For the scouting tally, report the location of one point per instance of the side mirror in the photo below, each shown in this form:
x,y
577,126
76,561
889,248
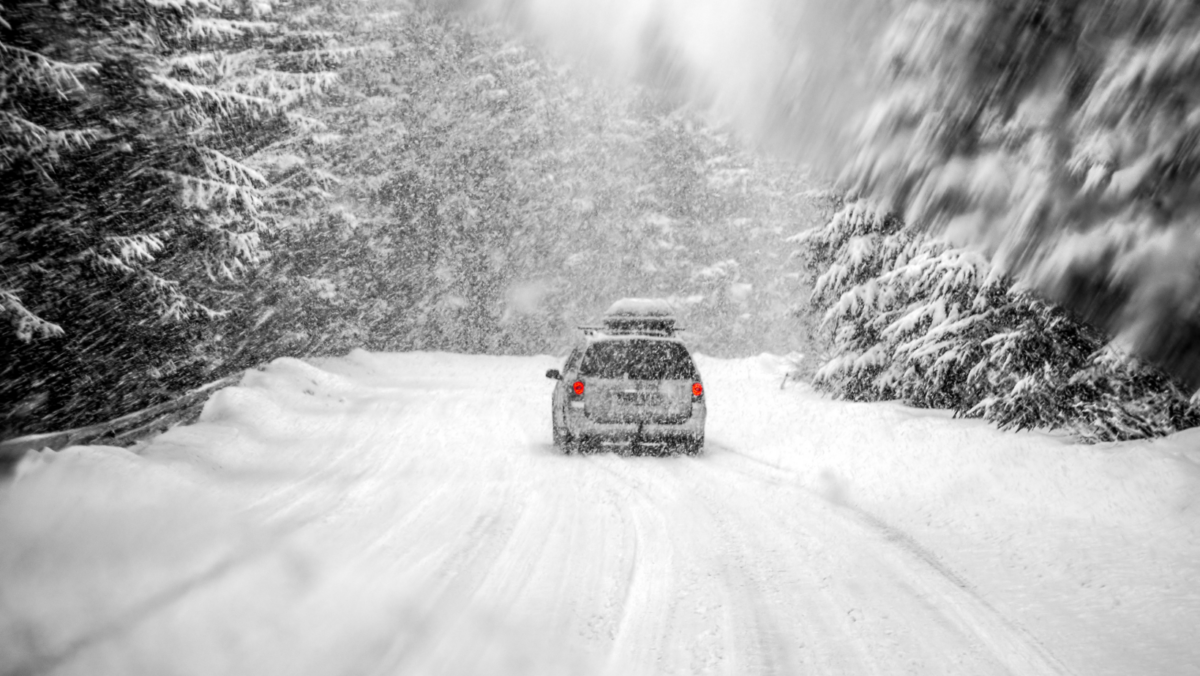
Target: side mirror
x,y
553,374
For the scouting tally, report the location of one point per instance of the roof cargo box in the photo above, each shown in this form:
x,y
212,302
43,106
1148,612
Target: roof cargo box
x,y
640,307
651,316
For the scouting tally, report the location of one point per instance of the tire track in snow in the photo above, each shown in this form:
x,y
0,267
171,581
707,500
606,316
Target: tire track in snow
x,y
726,558
637,589
453,575
1005,638
449,592
1003,635
779,639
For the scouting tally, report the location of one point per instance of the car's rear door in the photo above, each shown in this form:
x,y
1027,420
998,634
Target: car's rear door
x,y
638,380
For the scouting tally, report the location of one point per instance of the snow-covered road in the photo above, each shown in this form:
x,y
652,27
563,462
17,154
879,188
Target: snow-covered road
x,y
407,514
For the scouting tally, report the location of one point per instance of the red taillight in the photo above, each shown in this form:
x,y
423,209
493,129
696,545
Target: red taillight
x,y
577,388
697,390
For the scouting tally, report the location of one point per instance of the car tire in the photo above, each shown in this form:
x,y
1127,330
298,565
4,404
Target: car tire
x,y
694,445
562,439
582,445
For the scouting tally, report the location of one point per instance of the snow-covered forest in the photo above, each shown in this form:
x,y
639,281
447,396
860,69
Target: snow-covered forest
x,y
314,179
286,287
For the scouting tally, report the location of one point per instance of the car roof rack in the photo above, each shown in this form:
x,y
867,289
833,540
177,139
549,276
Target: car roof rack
x,y
635,326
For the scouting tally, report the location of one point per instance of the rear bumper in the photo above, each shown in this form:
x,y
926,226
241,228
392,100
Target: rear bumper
x,y
582,427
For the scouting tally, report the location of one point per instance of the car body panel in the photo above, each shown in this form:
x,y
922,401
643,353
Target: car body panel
x,y
638,401
637,389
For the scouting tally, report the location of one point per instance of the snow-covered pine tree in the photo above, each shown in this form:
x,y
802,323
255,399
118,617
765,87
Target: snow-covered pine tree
x,y
1060,137
126,194
916,319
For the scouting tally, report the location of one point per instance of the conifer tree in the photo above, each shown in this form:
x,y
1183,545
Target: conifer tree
x,y
128,193
1059,137
916,319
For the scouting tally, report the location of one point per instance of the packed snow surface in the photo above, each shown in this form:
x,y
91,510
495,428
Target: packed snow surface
x,y
407,514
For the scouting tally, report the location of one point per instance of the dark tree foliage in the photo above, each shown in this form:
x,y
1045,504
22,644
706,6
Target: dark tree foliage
x,y
1061,137
935,326
453,190
128,205
489,200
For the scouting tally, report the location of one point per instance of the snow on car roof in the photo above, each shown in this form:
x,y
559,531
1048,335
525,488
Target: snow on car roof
x,y
599,336
641,307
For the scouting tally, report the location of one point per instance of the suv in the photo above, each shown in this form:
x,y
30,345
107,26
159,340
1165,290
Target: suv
x,y
630,383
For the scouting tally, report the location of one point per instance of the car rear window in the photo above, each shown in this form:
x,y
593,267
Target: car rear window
x,y
638,360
